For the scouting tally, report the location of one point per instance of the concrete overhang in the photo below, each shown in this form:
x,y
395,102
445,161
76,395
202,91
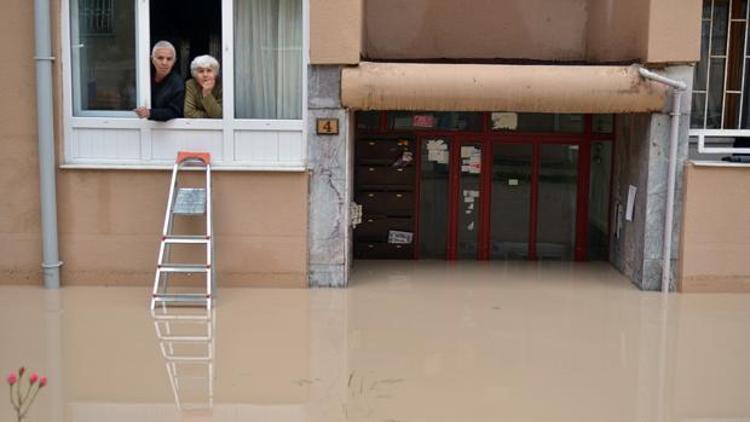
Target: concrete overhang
x,y
520,88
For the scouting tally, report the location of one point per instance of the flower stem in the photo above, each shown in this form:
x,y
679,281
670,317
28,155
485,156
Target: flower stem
x,y
25,396
33,396
15,406
18,393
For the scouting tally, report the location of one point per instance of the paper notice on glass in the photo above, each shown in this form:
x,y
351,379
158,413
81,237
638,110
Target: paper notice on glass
x,y
475,161
512,182
630,207
467,151
432,154
471,206
470,227
504,121
465,168
423,120
470,195
442,156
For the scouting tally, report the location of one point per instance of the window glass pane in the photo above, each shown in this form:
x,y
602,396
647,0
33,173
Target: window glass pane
x,y
570,123
536,122
736,47
603,123
437,121
368,120
103,55
548,122
720,20
739,8
698,111
745,123
401,120
601,163
556,215
511,196
433,197
732,111
716,93
706,9
268,59
702,66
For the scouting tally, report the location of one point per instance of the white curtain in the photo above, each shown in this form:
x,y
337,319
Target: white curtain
x,y
268,59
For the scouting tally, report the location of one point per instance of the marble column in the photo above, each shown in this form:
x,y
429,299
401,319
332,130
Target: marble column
x,y
641,160
328,163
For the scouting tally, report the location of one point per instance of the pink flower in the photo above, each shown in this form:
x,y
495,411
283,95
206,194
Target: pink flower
x,y
33,378
12,378
42,382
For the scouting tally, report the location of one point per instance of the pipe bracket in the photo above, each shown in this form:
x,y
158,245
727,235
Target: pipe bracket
x,y
51,266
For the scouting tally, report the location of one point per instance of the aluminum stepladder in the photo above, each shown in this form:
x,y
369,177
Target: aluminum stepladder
x,y
189,202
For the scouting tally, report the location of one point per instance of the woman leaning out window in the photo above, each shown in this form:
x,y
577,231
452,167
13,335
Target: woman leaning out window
x,y
203,90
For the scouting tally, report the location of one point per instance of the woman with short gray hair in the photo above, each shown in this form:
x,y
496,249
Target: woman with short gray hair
x,y
203,91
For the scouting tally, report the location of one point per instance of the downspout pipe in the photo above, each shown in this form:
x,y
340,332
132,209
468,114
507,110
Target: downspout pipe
x,y
47,189
678,88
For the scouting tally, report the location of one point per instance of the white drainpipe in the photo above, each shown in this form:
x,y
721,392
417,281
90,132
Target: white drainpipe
x,y
678,88
48,198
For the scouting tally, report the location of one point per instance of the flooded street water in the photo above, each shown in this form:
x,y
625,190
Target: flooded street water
x,y
406,342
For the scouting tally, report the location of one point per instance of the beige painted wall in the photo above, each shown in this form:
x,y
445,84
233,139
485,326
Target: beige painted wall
x,y
674,31
617,30
715,230
20,244
425,29
109,221
336,31
655,31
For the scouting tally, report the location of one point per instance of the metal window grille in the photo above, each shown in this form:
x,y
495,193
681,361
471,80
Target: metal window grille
x,y
96,17
720,100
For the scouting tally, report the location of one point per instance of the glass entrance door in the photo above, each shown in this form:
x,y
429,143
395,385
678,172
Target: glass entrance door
x,y
557,203
434,197
510,208
506,199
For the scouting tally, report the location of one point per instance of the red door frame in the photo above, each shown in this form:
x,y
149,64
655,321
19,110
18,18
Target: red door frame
x,y
455,196
487,138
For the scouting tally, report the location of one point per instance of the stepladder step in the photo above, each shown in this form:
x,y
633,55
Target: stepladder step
x,y
190,201
183,268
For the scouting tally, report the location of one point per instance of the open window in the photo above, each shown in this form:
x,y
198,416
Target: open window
x,y
259,44
192,26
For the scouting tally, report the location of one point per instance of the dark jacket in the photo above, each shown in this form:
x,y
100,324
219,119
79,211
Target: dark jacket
x,y
167,98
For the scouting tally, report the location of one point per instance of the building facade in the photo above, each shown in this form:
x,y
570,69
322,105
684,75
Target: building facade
x,y
514,131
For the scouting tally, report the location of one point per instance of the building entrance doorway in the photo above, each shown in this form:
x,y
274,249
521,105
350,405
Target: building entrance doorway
x,y
482,193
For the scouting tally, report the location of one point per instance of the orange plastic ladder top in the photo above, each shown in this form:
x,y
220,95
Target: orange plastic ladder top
x,y
188,155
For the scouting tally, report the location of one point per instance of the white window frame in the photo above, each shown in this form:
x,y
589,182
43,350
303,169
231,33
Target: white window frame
x,y
289,155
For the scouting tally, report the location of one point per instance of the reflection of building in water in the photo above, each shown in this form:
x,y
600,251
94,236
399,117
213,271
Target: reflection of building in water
x,y
187,342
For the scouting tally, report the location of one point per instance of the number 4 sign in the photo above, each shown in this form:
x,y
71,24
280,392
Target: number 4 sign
x,y
328,126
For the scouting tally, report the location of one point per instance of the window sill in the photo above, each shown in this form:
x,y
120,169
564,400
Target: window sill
x,y
168,167
703,163
195,124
